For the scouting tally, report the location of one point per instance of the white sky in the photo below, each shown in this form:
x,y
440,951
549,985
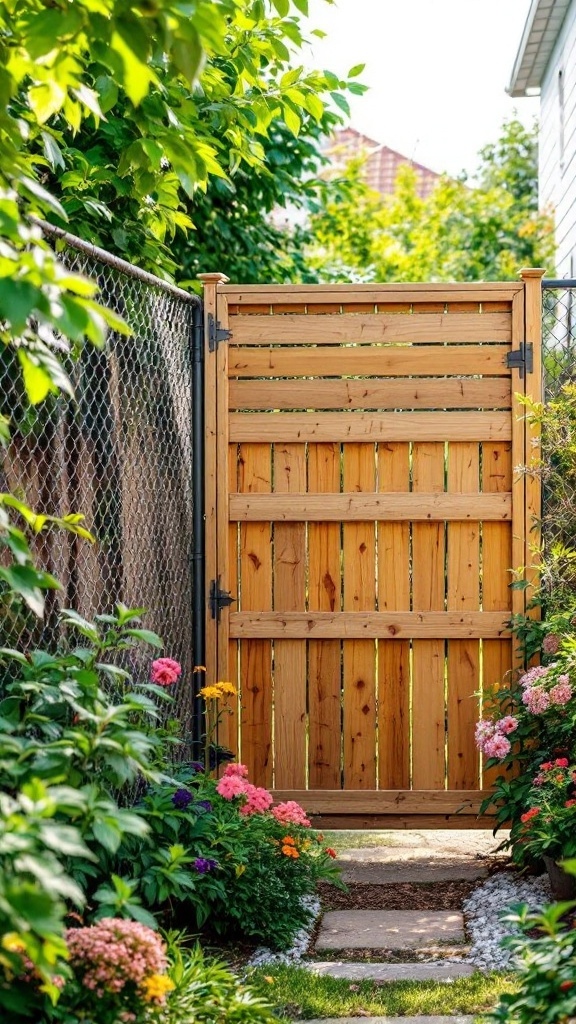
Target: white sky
x,y
437,71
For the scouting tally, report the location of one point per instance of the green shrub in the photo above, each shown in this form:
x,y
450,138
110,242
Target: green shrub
x,y
546,966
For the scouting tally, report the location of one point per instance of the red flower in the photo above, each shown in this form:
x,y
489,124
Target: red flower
x,y
529,814
570,803
330,851
565,985
561,762
546,766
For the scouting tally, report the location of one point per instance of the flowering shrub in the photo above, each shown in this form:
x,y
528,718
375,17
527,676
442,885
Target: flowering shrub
x,y
219,848
533,722
548,826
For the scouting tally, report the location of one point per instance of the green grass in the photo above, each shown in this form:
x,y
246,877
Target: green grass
x,y
354,839
296,993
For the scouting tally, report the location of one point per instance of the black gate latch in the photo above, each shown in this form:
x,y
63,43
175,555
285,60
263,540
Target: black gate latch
x,y
216,333
522,358
218,599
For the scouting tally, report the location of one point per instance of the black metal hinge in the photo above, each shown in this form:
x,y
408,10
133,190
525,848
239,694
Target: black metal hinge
x,y
216,333
522,358
218,599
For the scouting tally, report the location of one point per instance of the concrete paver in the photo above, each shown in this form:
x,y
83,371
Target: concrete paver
x,y
415,871
441,971
389,929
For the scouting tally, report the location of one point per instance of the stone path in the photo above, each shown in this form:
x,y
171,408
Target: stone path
x,y
413,857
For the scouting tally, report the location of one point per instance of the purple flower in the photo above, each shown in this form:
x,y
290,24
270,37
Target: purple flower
x,y
196,766
205,864
181,799
204,804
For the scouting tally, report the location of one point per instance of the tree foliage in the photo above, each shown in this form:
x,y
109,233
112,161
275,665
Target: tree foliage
x,y
461,232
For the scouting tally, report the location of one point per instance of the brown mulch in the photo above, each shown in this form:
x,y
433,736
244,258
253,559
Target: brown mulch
x,y
398,896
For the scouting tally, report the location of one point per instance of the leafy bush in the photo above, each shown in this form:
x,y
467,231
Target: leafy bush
x,y
533,721
219,848
546,969
206,991
548,827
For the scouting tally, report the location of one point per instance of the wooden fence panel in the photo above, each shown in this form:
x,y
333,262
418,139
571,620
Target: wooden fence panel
x,y
373,517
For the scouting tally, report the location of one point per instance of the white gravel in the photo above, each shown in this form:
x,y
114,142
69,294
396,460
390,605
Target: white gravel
x,y
483,910
299,947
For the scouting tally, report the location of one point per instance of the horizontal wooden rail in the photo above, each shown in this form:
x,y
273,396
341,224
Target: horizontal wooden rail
x,y
393,507
372,625
371,328
386,801
423,393
397,361
310,295
401,426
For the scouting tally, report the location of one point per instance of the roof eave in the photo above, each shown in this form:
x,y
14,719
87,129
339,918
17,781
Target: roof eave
x,y
541,31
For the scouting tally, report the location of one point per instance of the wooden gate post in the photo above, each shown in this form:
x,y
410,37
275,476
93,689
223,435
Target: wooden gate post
x,y
532,278
210,284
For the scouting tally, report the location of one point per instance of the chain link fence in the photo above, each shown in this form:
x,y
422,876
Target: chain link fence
x,y
558,462
121,453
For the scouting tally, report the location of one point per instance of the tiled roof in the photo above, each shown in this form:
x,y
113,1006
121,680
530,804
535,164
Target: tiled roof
x,y
382,163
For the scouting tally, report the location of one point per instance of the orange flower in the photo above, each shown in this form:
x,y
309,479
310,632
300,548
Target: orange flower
x,y
288,841
330,852
290,851
319,838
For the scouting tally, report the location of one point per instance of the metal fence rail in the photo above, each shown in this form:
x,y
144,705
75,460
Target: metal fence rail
x,y
121,453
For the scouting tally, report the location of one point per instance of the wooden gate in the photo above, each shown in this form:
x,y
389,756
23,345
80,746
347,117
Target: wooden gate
x,y
364,508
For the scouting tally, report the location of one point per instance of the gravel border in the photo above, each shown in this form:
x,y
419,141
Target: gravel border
x,y
483,910
264,956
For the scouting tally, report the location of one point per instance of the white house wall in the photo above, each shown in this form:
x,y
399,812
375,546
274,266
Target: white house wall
x,y
558,183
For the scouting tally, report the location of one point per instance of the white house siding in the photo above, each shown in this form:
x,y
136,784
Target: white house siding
x,y
558,180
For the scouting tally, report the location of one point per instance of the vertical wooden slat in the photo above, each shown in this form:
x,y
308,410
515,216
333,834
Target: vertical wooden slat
x,y
213,492
394,655
290,655
518,478
359,555
428,547
324,594
228,732
533,390
463,594
496,593
256,595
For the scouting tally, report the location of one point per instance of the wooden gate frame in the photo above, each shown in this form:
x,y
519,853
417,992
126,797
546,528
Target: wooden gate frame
x,y
365,808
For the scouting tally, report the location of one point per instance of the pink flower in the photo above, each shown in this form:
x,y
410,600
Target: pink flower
x,y
536,699
290,813
534,673
561,762
551,643
259,800
497,746
165,671
113,952
562,692
231,786
236,769
507,725
484,731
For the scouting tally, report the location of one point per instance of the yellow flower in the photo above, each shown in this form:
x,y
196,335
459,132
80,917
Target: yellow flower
x,y
12,943
156,986
210,693
199,668
227,688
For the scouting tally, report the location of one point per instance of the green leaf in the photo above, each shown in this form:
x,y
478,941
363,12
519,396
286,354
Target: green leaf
x,y
52,151
282,6
146,635
138,76
18,299
45,197
292,119
46,99
341,102
37,381
356,70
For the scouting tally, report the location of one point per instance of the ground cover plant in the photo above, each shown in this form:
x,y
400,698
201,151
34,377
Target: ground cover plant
x,y
295,993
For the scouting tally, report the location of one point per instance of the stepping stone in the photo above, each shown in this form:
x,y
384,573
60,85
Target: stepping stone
x,y
382,873
459,1019
389,929
440,971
